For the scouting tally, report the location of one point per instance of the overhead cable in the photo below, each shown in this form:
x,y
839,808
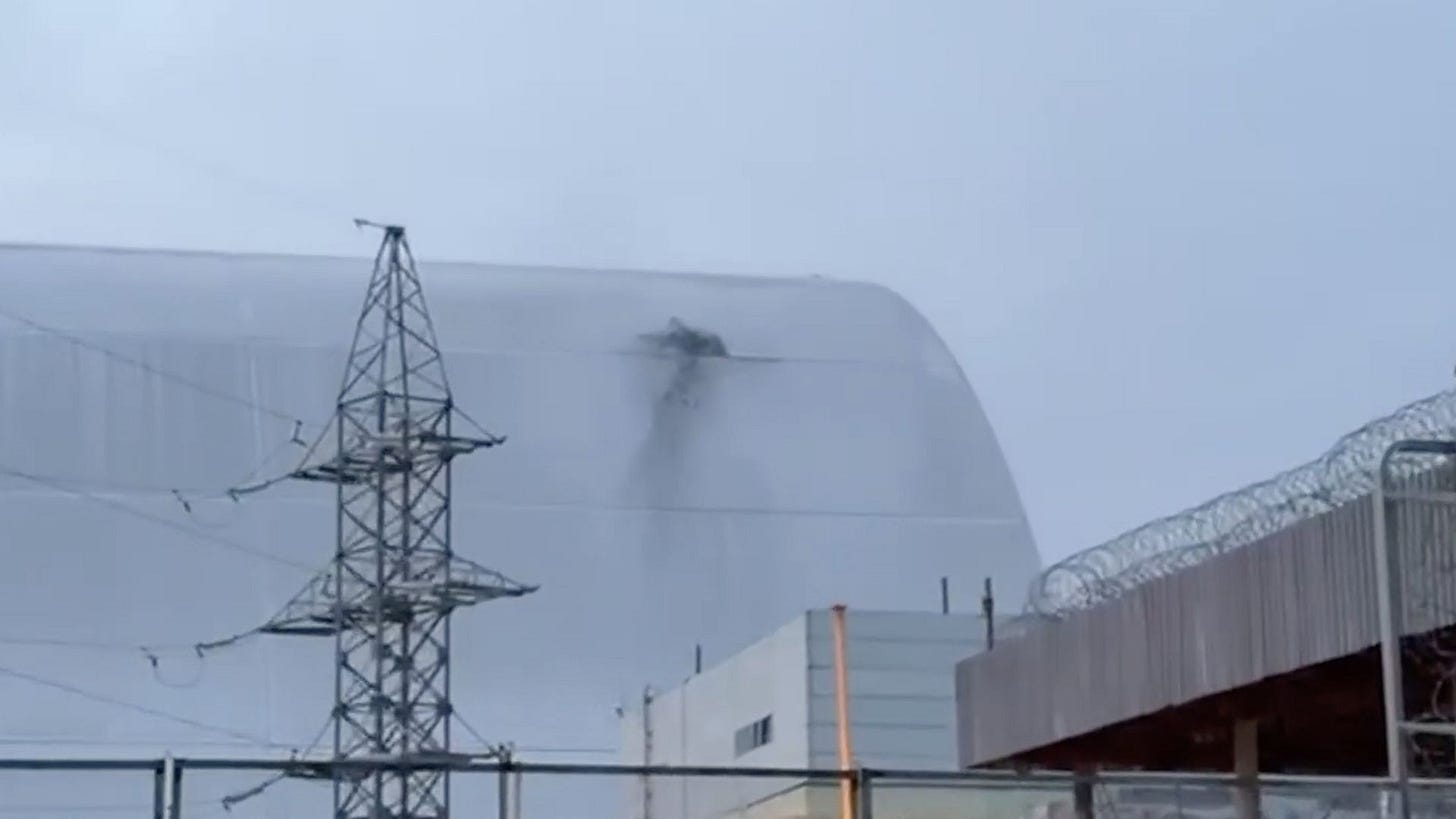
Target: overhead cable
x,y
490,437
137,742
70,810
474,734
211,167
245,486
105,699
242,796
197,386
214,539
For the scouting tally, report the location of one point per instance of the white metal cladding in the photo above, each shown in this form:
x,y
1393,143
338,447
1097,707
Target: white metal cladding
x,y
835,454
696,724
902,708
902,695
1301,596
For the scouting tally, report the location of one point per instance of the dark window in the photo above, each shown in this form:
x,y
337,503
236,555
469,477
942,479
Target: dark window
x,y
753,735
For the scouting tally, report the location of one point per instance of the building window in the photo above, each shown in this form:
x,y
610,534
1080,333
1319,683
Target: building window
x,y
755,734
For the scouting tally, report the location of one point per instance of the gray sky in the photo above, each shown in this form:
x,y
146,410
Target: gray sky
x,y
1177,246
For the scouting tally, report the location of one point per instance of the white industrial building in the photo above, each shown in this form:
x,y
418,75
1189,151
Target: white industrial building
x,y
826,448
772,705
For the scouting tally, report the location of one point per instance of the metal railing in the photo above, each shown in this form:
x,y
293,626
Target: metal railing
x,y
244,788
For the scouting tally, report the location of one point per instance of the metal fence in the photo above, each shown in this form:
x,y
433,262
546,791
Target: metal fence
x,y
269,788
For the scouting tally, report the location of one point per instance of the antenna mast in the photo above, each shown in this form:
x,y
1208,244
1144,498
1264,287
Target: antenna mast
x,y
395,580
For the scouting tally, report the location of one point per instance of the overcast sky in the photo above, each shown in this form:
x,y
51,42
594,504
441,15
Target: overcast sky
x,y
1177,246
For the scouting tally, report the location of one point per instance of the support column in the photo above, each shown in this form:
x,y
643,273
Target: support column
x,y
864,799
1246,769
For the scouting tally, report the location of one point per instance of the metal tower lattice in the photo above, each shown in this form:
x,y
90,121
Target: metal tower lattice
x,y
394,581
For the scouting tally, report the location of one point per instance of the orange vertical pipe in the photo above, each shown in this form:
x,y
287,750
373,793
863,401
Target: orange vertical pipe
x,y
841,707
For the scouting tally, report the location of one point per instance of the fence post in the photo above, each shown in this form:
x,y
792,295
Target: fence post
x,y
176,790
864,794
1246,769
1082,803
159,791
503,791
516,777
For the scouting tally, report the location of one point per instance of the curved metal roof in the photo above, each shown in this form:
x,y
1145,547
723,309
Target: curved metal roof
x,y
660,495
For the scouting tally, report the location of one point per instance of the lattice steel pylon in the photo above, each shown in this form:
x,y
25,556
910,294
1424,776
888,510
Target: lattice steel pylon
x,y
394,581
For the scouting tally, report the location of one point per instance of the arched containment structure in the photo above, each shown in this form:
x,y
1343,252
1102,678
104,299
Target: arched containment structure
x,y
691,459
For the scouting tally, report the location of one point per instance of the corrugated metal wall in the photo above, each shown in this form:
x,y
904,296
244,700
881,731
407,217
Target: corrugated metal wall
x,y
1298,597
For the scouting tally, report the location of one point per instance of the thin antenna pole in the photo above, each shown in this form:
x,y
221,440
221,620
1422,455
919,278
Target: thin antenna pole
x,y
698,658
647,751
945,595
988,611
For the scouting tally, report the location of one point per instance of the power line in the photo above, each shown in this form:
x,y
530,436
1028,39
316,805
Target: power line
x,y
88,645
131,706
489,436
194,493
252,482
470,729
214,539
489,746
153,742
152,653
247,484
137,742
207,166
205,389
495,747
233,799
132,808
549,749
707,510
185,497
